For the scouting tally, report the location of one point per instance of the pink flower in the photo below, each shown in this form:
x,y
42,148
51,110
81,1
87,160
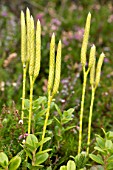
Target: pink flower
x,y
110,19
79,34
56,22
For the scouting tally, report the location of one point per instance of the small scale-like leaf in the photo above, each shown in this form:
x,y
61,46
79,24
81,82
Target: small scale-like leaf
x,y
14,163
97,159
40,158
71,165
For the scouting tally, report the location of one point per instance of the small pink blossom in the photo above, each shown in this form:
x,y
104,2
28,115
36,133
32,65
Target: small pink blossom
x,y
110,19
79,34
56,22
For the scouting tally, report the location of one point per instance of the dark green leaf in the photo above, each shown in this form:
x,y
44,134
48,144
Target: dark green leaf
x,y
40,158
28,153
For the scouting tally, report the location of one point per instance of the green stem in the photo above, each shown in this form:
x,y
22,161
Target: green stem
x,y
23,90
30,107
46,119
82,108
90,118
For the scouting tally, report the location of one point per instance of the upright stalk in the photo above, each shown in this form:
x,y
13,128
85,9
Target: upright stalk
x,y
30,108
82,108
23,90
90,118
46,119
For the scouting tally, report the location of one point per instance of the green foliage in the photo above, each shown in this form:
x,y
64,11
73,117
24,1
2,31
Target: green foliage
x,y
3,160
10,130
64,126
81,160
13,164
37,157
104,148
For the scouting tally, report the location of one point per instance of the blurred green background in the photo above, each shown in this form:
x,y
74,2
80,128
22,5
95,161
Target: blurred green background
x,y
66,18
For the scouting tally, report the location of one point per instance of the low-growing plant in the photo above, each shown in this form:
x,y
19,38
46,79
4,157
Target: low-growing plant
x,y
35,113
104,151
30,147
13,164
11,128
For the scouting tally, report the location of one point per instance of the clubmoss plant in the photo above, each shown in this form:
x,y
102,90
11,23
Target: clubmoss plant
x,y
34,62
94,81
25,51
51,78
30,56
85,74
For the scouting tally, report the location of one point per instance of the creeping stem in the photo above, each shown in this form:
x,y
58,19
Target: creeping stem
x,y
90,117
85,73
30,108
46,119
